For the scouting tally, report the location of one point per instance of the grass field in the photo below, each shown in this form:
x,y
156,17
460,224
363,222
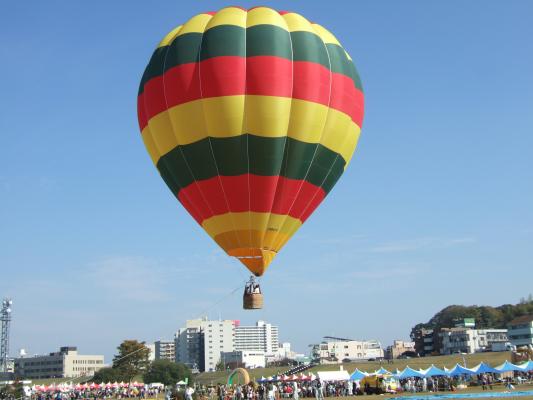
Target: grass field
x,y
424,362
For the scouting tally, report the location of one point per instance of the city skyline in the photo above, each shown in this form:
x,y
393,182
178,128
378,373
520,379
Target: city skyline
x,y
434,209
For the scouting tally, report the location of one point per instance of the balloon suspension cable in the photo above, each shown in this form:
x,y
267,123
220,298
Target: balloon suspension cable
x,y
229,294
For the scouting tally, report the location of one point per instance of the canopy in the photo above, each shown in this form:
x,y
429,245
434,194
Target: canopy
x,y
304,377
381,371
410,373
460,370
434,371
509,367
331,376
357,375
262,379
483,368
527,366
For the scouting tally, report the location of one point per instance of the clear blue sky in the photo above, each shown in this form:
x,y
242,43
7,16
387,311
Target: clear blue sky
x,y
435,209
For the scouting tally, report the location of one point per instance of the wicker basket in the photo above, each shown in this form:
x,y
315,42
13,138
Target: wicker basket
x,y
252,301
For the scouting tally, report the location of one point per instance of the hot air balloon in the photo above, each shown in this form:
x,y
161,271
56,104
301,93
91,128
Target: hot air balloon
x,y
251,117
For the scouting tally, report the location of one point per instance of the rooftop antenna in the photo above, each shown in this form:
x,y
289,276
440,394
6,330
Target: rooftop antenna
x,y
5,319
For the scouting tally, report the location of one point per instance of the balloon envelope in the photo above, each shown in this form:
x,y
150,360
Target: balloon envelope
x,y
251,117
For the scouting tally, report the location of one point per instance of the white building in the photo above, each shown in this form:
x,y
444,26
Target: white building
x,y
66,363
284,352
466,340
200,343
261,337
338,350
521,331
165,350
151,354
245,358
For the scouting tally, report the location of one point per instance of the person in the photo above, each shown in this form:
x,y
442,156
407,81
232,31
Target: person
x,y
188,393
295,391
270,391
256,288
238,393
319,390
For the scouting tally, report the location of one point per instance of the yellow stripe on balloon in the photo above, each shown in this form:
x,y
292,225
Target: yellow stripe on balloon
x,y
169,37
325,35
265,16
340,132
150,145
162,133
251,239
296,22
228,16
307,120
196,24
266,116
245,221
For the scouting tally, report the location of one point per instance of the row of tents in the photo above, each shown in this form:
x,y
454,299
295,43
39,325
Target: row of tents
x,y
64,387
457,370
408,372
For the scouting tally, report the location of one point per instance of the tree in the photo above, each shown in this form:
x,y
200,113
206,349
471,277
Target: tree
x,y
107,375
167,372
221,365
132,359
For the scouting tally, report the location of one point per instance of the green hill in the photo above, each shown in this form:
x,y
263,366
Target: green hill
x,y
485,316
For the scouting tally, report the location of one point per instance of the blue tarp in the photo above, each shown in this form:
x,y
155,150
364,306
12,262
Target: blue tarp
x,y
509,367
434,371
483,368
460,370
409,373
357,375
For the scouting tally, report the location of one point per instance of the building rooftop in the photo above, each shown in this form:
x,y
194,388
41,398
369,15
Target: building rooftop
x,y
524,319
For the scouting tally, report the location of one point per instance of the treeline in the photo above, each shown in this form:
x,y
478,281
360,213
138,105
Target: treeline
x,y
132,360
485,316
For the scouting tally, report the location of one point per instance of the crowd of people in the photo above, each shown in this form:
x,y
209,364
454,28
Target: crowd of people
x,y
279,390
319,390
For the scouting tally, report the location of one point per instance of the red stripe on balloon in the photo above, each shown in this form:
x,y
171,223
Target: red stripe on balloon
x,y
258,75
297,198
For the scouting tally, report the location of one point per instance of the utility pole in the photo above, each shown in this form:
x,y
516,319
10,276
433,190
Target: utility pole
x,y
5,319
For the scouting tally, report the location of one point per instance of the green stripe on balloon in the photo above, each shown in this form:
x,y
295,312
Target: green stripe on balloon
x,y
259,40
315,163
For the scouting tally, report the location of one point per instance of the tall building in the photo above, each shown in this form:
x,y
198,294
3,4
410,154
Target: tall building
x,y
521,331
200,343
66,363
263,337
165,350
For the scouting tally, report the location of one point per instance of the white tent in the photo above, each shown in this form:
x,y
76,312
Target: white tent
x,y
331,376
